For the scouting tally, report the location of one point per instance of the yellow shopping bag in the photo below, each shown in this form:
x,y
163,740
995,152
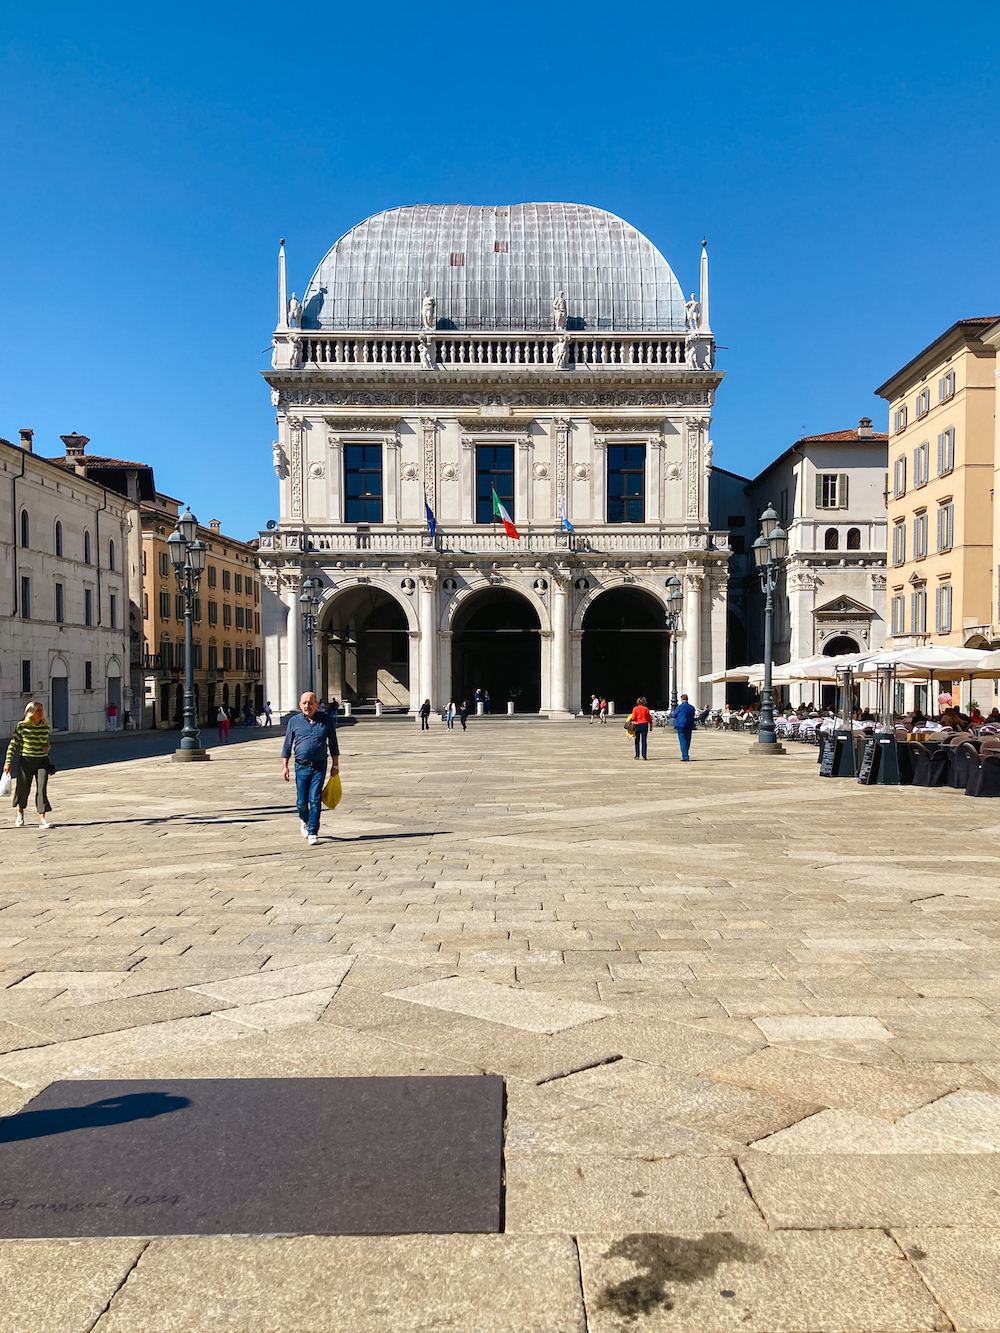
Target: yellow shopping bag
x,y
332,792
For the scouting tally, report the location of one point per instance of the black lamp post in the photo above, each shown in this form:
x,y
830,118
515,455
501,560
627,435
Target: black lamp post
x,y
187,555
675,596
309,601
769,552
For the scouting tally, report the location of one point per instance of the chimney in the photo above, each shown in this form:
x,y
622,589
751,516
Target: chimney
x,y
865,431
75,445
215,524
26,436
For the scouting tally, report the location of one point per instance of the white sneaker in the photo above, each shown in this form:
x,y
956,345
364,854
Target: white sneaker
x,y
304,827
19,821
43,824
313,840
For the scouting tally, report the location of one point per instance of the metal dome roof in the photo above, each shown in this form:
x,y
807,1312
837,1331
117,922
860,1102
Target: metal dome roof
x,y
494,268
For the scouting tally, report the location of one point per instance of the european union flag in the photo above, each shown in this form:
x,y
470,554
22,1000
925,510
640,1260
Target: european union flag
x,y
431,520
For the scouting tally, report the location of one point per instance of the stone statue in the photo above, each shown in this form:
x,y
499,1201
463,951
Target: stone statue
x,y
559,312
427,349
699,353
294,312
693,309
279,459
294,354
708,458
428,312
560,353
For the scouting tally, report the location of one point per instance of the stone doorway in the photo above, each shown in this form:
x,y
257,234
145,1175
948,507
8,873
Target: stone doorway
x,y
497,647
625,650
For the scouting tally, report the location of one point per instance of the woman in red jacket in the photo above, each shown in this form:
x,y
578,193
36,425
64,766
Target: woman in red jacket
x,y
641,719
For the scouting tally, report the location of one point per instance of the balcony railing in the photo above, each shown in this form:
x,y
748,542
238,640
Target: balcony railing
x,y
605,540
450,350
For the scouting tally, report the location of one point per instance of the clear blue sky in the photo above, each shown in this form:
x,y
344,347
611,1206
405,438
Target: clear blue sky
x,y
841,159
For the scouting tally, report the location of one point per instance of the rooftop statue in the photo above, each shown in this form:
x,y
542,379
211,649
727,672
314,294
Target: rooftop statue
x,y
560,353
693,310
427,349
428,312
294,312
559,312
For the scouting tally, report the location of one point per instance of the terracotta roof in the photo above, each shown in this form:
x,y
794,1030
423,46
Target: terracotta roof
x,y
841,437
94,460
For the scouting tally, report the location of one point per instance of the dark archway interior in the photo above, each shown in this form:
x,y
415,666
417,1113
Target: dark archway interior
x,y
840,644
497,646
626,650
366,649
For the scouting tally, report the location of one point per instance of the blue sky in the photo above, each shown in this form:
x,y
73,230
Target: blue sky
x,y
842,161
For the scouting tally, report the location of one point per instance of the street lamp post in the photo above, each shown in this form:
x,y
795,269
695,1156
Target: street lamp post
x,y
309,601
187,555
769,552
675,597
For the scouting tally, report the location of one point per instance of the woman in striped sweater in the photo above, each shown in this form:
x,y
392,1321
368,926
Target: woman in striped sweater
x,y
30,743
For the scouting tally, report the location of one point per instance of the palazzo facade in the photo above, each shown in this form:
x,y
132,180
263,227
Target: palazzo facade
x,y
448,360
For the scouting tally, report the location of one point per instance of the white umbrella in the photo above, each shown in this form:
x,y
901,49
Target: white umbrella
x,y
734,674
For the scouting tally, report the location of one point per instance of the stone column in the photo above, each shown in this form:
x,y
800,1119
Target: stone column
x,y
293,676
444,666
576,669
428,640
692,635
558,703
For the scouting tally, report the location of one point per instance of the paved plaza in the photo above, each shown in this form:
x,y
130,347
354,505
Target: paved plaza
x,y
749,1022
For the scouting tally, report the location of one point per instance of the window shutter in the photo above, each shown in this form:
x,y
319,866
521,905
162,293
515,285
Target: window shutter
x,y
819,490
937,609
940,455
842,491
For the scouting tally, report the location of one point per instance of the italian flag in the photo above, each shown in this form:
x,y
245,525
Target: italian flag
x,y
501,513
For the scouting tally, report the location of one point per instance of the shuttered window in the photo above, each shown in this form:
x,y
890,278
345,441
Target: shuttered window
x,y
946,527
899,478
831,490
942,609
946,451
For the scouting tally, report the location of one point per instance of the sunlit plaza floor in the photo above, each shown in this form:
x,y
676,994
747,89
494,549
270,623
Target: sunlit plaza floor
x,y
799,979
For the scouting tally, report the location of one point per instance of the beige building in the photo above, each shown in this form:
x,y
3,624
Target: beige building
x,y
940,491
227,632
991,337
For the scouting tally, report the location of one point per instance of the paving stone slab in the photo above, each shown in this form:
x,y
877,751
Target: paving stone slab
x,y
961,1265
837,1191
530,1010
833,1083
184,1157
275,984
61,1286
848,1132
792,1029
787,1282
402,1284
967,1115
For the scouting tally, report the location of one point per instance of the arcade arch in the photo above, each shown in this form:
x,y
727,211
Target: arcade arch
x,y
363,648
625,649
496,646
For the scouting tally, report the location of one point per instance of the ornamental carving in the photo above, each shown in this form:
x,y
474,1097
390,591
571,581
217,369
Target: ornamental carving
x,y
540,471
449,472
428,429
581,472
348,424
409,471
295,463
417,399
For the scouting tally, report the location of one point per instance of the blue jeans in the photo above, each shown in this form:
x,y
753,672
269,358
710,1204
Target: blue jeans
x,y
641,730
684,736
309,791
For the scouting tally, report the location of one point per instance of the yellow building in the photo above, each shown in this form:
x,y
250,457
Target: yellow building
x,y
227,634
991,337
940,491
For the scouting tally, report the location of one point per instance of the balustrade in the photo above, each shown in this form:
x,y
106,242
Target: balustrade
x,y
502,350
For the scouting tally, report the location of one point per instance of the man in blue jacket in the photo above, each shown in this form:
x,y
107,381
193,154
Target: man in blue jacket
x,y
310,734
684,725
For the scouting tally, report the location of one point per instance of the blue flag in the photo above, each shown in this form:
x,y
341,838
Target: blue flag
x,y
562,514
431,520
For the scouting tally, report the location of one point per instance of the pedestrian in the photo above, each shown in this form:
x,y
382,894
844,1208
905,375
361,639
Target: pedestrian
x,y
267,713
449,715
310,734
478,696
249,718
640,717
463,713
684,725
30,743
595,708
486,701
113,716
425,713
222,717
604,711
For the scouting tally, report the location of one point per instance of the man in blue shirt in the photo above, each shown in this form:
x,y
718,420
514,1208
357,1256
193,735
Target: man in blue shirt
x,y
310,735
684,725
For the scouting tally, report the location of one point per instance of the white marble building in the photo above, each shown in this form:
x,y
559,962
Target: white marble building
x,y
829,491
69,567
544,351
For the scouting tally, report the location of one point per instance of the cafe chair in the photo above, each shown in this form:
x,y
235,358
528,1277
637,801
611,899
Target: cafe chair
x,y
963,761
985,780
930,767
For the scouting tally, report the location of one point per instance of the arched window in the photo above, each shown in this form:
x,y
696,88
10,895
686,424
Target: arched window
x,y
832,542
111,555
25,529
58,538
86,548
854,539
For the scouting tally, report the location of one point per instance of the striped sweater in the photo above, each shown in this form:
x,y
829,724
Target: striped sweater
x,y
29,740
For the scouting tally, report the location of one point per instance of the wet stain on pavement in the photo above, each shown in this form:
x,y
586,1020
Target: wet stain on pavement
x,y
667,1261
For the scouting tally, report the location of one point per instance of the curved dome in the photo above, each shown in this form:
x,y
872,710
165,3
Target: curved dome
x,y
494,268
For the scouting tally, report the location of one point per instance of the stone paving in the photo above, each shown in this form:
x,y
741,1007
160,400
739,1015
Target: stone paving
x,y
749,1021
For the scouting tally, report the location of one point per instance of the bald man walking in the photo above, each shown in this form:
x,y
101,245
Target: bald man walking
x,y
310,734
